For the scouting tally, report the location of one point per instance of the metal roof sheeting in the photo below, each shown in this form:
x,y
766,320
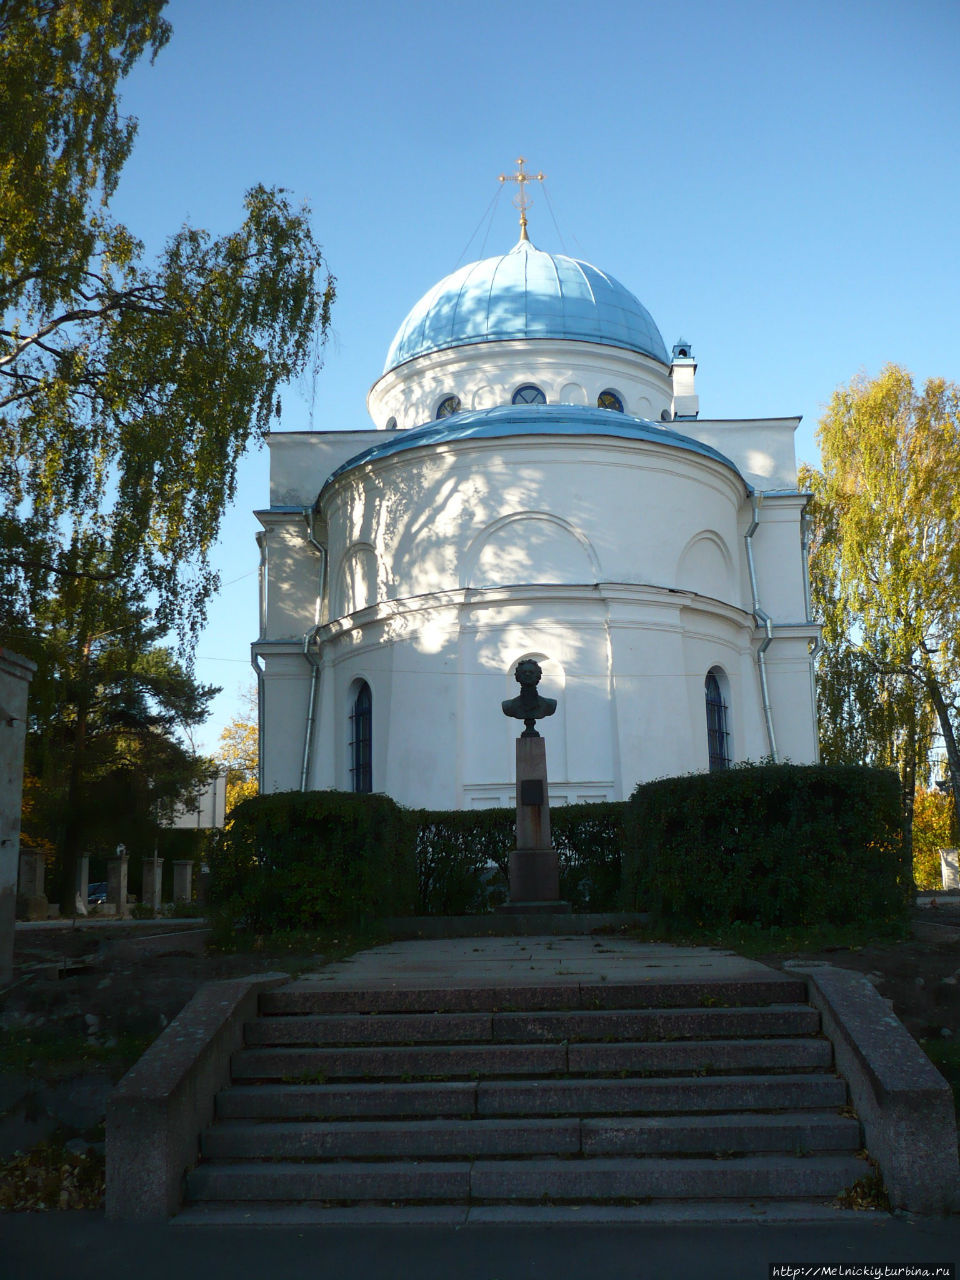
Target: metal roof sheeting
x,y
526,293
531,420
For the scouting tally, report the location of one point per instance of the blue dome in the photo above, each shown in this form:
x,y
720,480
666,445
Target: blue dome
x,y
526,293
531,420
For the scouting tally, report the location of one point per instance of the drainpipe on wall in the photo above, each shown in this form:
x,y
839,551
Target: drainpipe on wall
x,y
817,644
262,582
314,659
763,621
310,649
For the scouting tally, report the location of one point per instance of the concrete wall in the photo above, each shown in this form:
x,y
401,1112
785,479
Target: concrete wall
x,y
16,673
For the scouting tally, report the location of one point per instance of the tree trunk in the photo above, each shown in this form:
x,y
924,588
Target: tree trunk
x,y
73,827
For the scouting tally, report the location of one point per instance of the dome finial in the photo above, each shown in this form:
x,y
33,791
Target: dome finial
x,y
521,199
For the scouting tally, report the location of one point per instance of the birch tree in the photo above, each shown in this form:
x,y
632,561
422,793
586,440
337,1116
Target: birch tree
x,y
886,571
129,388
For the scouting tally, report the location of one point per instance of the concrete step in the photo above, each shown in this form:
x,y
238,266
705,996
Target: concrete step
x,y
358,1028
317,996
793,1133
491,1100
811,1213
527,1180
790,1133
551,1026
663,1178
670,1095
313,1102
373,1139
319,1065
710,1056
399,1060
533,1098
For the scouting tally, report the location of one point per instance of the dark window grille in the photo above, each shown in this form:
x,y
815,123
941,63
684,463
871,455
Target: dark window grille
x,y
529,394
361,741
718,737
448,406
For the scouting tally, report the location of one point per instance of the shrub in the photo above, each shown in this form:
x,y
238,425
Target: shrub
x,y
933,829
771,845
301,860
589,841
457,851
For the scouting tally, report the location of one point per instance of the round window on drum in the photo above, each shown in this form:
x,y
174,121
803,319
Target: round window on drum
x,y
529,393
609,400
447,406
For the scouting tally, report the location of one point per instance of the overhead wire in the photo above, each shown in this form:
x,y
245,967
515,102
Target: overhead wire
x,y
473,234
546,196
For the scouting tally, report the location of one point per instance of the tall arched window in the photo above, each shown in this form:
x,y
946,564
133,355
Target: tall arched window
x,y
361,746
718,734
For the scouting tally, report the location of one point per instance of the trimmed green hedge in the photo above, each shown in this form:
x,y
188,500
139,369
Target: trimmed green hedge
x,y
770,845
299,860
296,860
589,840
463,857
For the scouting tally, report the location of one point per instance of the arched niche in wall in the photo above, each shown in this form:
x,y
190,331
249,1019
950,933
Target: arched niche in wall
x,y
573,393
706,566
484,397
356,579
529,547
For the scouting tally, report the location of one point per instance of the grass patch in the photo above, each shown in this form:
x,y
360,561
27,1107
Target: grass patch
x,y
752,940
37,1052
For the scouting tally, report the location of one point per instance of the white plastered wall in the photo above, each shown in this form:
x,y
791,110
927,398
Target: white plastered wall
x,y
649,537
484,375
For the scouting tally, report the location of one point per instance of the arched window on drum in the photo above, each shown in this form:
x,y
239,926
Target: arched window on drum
x,y
718,723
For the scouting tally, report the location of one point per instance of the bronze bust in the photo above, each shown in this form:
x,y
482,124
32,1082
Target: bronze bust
x,y
528,706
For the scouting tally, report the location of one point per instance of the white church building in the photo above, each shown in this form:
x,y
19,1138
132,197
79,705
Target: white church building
x,y
538,482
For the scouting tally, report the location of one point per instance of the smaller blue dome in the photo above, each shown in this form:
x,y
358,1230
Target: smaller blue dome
x,y
526,293
531,420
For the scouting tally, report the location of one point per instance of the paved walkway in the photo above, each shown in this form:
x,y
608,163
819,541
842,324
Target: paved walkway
x,y
83,1246
530,961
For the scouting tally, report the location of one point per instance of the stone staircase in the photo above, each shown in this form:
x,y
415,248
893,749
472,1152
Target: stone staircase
x,y
489,1102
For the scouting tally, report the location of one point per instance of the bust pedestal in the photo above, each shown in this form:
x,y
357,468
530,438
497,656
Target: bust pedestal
x,y
534,867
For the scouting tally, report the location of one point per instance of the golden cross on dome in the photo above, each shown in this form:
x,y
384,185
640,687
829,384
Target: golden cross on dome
x,y
521,199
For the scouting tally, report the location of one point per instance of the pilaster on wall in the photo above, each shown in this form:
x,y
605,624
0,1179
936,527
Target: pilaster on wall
x,y
286,681
778,555
291,571
792,693
16,672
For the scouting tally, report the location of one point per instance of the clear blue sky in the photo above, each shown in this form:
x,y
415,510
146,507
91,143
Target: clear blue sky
x,y
777,182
